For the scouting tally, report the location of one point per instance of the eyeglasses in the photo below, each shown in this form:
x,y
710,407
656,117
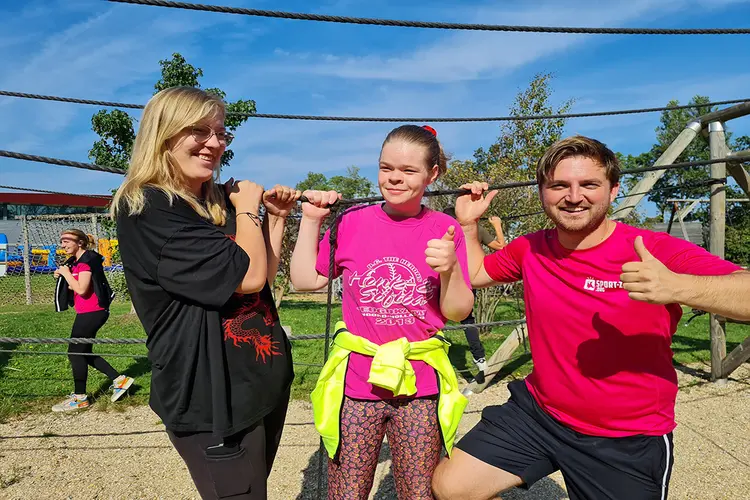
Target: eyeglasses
x,y
202,133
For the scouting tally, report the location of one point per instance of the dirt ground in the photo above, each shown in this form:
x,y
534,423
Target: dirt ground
x,y
114,455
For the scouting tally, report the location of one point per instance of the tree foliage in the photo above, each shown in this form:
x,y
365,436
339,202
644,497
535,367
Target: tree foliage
x,y
115,128
512,157
351,185
680,183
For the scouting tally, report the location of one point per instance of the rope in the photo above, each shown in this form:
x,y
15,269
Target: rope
x,y
111,355
276,116
438,25
76,340
130,341
57,161
510,185
372,199
64,353
34,190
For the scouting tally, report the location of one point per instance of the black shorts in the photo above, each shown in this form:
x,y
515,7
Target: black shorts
x,y
520,438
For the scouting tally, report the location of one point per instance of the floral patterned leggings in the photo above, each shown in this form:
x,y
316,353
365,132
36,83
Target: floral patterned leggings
x,y
414,438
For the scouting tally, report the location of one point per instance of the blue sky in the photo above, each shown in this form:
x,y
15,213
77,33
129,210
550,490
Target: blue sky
x,y
99,50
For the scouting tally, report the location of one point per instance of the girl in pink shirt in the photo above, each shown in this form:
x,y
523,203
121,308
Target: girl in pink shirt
x,y
84,277
404,273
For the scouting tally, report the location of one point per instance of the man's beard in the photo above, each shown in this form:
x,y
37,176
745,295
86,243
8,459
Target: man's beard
x,y
593,217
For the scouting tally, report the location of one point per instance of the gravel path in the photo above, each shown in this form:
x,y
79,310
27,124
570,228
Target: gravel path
x,y
126,455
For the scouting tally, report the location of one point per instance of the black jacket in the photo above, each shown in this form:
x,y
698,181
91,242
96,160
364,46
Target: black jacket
x,y
102,290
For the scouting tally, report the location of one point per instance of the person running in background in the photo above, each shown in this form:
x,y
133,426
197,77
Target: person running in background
x,y
81,282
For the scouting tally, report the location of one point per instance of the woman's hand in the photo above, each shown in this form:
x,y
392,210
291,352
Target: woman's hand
x,y
280,200
244,195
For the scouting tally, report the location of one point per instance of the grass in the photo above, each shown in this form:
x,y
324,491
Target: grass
x,y
13,289
31,383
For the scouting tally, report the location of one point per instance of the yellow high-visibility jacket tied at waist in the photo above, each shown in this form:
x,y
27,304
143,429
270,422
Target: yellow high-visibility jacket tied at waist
x,y
391,370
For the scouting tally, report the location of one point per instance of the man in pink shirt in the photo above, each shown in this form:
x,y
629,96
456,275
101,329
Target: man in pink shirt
x,y
602,303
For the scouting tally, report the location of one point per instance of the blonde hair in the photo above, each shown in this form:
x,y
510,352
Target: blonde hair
x,y
152,163
79,235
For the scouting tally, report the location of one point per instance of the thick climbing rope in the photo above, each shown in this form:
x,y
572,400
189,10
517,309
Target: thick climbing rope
x,y
438,25
111,104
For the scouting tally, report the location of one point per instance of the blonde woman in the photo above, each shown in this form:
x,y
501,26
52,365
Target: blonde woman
x,y
198,262
81,283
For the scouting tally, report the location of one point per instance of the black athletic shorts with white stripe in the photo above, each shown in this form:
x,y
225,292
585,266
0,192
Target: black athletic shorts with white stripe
x,y
520,438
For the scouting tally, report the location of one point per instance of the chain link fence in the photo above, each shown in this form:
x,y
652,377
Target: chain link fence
x,y
33,254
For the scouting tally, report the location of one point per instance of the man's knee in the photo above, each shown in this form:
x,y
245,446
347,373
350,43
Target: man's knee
x,y
443,486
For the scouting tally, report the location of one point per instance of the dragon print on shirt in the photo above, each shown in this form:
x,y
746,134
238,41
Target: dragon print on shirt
x,y
388,283
240,314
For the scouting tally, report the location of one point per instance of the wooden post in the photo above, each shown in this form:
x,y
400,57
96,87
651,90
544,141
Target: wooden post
x,y
26,259
647,182
498,360
718,146
738,171
739,355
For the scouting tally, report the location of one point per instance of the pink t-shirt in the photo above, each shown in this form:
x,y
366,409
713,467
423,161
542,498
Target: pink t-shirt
x,y
389,291
602,361
88,303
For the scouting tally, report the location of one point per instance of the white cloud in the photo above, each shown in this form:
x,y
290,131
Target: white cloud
x,y
465,56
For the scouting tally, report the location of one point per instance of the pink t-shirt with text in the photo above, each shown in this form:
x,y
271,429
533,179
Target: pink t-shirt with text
x,y
602,361
88,303
389,291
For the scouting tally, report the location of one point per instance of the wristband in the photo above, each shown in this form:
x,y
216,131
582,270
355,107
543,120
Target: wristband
x,y
254,217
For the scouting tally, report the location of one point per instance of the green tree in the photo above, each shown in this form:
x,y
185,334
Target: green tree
x,y
351,185
512,157
115,128
672,183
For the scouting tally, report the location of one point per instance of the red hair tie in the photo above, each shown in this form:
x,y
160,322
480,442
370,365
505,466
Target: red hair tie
x,y
430,130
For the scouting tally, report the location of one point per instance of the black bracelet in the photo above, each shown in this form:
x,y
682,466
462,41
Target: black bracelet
x,y
254,217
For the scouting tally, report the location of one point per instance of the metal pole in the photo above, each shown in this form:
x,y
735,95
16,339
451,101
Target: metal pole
x,y
718,146
26,259
668,157
95,232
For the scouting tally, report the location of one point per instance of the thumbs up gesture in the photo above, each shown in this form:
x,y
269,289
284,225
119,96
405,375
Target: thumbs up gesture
x,y
441,254
647,279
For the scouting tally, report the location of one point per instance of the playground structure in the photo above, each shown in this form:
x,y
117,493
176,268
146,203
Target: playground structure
x,y
46,258
31,254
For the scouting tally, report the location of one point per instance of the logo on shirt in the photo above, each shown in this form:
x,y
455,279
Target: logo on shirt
x,y
595,285
388,283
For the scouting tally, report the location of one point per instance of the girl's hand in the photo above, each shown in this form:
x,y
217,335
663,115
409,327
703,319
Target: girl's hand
x,y
280,200
441,254
318,203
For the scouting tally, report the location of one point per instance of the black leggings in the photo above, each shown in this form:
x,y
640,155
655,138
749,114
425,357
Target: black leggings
x,y
472,336
85,326
238,466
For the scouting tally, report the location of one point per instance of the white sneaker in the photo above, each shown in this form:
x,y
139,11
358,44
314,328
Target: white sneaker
x,y
72,403
120,386
481,364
